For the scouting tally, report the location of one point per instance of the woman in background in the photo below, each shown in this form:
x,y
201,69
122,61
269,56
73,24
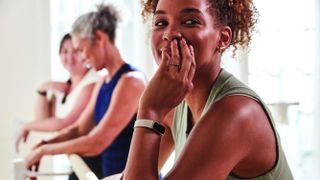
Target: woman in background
x,y
106,125
59,104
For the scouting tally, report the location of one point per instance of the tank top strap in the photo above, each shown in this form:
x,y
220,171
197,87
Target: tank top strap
x,y
123,69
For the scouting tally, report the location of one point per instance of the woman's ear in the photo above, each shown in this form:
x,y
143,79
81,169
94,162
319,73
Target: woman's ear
x,y
101,38
225,37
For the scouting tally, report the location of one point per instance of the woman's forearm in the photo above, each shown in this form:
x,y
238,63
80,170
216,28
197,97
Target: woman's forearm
x,y
44,107
145,150
48,124
82,145
65,134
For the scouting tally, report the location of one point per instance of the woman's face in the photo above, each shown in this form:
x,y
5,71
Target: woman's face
x,y
90,51
71,59
190,19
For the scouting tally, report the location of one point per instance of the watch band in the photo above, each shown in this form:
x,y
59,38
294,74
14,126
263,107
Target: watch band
x,y
154,125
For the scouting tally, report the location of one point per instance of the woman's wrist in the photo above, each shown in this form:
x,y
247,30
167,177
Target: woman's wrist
x,y
43,150
150,114
44,88
42,92
25,127
150,124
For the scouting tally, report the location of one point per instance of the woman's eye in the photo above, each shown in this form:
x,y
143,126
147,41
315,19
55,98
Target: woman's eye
x,y
160,23
190,22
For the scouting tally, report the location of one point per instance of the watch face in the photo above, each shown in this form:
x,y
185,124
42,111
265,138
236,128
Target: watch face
x,y
159,127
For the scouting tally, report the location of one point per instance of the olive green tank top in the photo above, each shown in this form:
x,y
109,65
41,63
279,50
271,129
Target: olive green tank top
x,y
226,85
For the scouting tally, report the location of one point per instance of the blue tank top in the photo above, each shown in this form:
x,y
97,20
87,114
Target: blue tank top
x,y
114,157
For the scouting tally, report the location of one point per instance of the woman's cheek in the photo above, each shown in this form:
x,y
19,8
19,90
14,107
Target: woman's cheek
x,y
157,57
155,50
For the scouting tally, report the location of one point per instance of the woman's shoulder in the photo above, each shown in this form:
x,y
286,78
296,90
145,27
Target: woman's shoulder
x,y
133,77
236,111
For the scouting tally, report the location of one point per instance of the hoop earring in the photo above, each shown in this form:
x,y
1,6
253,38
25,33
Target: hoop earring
x,y
219,49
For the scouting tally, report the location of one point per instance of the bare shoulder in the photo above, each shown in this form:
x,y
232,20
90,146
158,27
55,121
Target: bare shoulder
x,y
135,75
245,123
133,78
237,109
237,119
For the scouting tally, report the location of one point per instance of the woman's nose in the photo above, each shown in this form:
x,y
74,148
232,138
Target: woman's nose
x,y
171,34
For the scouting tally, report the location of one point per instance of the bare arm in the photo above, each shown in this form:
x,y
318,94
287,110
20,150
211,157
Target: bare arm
x,y
122,107
54,123
209,152
209,148
166,90
84,124
45,107
216,144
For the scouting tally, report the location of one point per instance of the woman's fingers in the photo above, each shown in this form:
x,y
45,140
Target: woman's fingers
x,y
164,59
22,136
175,55
181,63
25,136
187,58
192,68
32,161
18,143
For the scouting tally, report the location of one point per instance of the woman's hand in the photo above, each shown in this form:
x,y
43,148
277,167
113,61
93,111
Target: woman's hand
x,y
39,144
32,161
171,82
24,133
55,86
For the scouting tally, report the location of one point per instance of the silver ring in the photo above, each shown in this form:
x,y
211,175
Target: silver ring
x,y
175,65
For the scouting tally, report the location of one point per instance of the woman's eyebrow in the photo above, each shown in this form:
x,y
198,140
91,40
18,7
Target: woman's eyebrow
x,y
190,10
183,11
159,12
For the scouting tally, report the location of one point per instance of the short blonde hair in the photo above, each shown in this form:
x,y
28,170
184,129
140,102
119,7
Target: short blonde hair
x,y
105,19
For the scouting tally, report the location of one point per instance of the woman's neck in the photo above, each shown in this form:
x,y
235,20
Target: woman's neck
x,y
76,78
114,62
203,82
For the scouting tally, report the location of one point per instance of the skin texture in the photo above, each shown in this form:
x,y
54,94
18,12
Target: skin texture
x,y
45,119
233,136
83,137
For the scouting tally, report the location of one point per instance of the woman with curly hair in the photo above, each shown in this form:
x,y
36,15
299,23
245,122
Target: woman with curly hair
x,y
218,127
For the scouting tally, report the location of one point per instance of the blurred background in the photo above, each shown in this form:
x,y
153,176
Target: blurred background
x,y
282,66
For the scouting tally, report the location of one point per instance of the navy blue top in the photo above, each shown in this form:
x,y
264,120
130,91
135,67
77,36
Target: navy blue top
x,y
114,157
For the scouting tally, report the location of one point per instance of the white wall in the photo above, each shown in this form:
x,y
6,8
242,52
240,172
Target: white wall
x,y
25,63
317,90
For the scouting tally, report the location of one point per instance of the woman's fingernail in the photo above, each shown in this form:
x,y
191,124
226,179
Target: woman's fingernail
x,y
183,40
175,41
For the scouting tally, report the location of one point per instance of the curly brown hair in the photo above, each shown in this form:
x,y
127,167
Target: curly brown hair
x,y
240,15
